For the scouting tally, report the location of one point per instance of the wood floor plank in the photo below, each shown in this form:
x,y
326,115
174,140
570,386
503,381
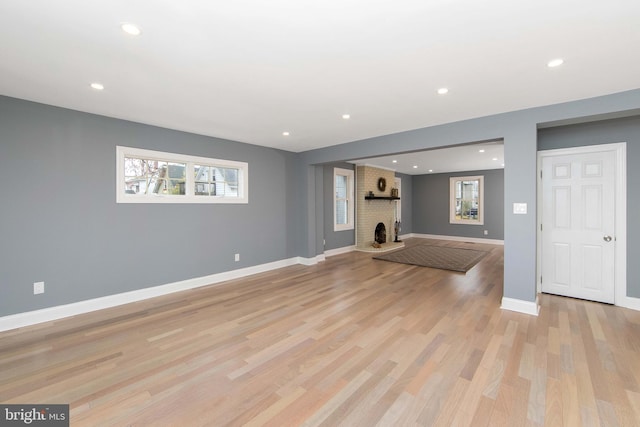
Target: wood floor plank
x,y
554,416
351,341
483,414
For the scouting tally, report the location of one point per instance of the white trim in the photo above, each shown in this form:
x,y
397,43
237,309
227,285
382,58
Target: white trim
x,y
456,238
621,223
189,161
310,261
629,302
339,251
620,148
349,173
521,306
58,312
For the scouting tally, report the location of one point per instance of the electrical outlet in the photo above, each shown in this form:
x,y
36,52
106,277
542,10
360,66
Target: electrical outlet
x,y
486,232
237,258
38,288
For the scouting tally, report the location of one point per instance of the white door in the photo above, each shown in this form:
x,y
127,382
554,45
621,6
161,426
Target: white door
x,y
578,225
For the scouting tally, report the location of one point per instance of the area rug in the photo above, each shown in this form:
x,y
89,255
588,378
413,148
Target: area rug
x,y
445,258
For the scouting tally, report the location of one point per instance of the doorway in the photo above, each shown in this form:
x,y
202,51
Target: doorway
x,y
582,222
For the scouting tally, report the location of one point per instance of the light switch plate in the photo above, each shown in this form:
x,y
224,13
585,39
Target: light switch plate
x,y
519,208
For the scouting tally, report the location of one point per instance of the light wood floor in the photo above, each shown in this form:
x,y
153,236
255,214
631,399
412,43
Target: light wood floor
x,y
351,341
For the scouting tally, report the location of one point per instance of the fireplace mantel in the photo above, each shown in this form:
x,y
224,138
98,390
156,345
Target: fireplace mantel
x,y
381,198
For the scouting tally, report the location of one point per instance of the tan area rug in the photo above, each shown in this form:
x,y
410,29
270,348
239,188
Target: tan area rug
x,y
445,258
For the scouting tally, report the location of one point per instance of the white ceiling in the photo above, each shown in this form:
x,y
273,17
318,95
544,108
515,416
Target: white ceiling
x,y
482,156
247,70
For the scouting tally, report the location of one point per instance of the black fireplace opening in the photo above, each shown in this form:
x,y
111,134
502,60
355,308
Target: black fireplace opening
x,y
380,235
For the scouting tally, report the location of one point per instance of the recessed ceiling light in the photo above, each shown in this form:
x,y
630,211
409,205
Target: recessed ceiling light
x,y
555,62
394,161
130,29
480,151
97,86
415,166
442,91
346,116
430,170
494,159
285,133
503,165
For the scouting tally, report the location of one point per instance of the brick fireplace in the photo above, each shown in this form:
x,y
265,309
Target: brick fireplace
x,y
369,213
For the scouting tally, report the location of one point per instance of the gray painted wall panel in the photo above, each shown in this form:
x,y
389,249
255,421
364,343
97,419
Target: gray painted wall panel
x,y
60,222
431,205
603,132
406,201
520,179
320,202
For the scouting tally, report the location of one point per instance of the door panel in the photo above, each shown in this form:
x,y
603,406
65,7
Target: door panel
x,y
562,207
578,212
562,264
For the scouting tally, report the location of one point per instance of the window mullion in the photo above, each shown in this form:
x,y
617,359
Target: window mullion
x,y
190,180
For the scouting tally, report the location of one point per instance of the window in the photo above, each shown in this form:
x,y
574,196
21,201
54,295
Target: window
x,y
145,176
215,181
466,200
343,202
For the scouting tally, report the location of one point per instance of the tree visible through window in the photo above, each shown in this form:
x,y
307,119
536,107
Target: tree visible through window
x,y
148,176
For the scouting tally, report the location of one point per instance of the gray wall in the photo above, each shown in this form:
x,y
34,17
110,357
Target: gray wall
x,y
603,132
59,221
406,201
334,239
431,205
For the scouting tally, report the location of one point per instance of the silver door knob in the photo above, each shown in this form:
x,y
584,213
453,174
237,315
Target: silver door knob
x,y
607,238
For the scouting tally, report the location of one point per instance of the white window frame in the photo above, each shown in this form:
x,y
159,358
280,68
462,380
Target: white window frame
x,y
350,225
452,200
190,161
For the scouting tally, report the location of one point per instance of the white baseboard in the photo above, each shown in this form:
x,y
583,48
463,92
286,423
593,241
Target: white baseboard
x,y
458,238
338,251
521,306
309,261
54,313
629,302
